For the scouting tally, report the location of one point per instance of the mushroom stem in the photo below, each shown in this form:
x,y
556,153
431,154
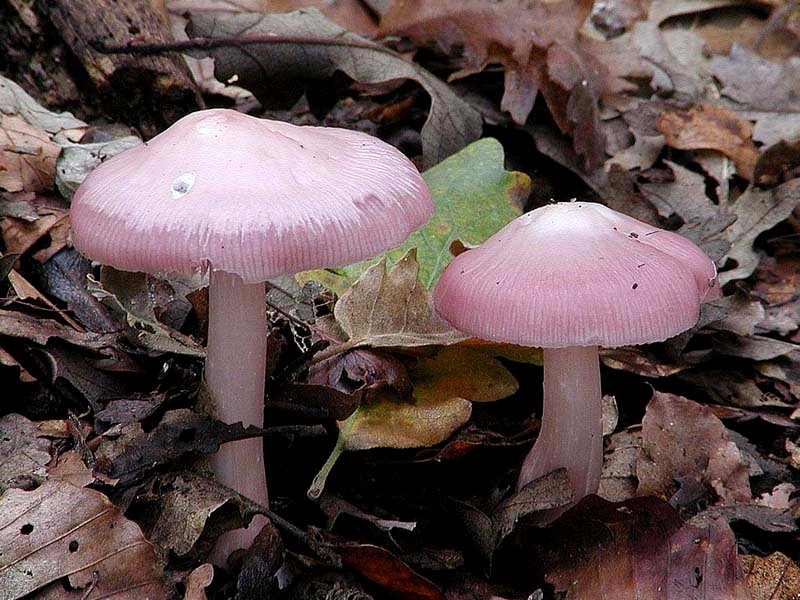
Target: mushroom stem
x,y
235,372
571,434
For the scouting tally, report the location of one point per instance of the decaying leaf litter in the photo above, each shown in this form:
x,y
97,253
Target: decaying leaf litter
x,y
681,114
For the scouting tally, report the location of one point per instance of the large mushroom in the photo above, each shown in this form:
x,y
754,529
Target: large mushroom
x,y
570,277
248,199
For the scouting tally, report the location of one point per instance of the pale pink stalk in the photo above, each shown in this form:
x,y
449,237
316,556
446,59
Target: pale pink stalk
x,y
235,374
571,404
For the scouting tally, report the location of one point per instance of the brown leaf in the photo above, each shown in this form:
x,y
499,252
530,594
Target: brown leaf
x,y
757,211
618,480
280,72
392,308
197,581
62,531
711,127
778,163
775,577
540,48
71,468
386,570
361,371
27,156
23,453
638,549
352,15
39,330
681,438
188,512
636,359
757,84
129,453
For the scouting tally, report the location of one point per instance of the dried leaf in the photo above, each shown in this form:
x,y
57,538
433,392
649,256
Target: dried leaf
x,y
133,295
130,453
681,438
285,67
351,15
362,373
540,48
23,453
386,570
778,163
78,160
62,531
661,10
39,330
392,308
197,581
15,100
638,549
72,469
618,481
755,83
711,127
188,512
757,211
27,156
775,577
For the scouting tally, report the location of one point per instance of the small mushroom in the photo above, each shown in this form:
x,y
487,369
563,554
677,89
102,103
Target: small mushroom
x,y
249,199
570,277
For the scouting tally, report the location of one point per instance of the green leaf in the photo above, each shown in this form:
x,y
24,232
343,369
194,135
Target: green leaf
x,y
474,197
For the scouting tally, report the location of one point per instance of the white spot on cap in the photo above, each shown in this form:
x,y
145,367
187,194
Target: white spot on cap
x,y
182,184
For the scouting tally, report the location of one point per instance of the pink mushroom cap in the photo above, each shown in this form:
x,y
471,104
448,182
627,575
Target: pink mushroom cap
x,y
577,274
248,196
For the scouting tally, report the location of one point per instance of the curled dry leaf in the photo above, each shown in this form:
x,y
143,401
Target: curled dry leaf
x,y
711,127
392,308
129,453
282,69
190,511
757,211
62,531
681,438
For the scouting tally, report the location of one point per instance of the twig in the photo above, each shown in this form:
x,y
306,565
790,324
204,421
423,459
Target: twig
x,y
776,20
201,43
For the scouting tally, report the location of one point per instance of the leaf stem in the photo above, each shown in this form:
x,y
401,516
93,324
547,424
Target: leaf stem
x,y
318,484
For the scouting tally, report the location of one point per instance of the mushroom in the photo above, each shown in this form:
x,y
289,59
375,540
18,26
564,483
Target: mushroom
x,y
248,199
570,277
